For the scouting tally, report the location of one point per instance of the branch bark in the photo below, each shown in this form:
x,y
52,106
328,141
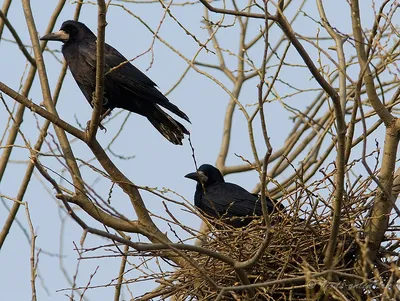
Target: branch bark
x,y
99,91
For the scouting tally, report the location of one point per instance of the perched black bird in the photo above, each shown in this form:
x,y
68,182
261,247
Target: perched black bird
x,y
125,86
226,201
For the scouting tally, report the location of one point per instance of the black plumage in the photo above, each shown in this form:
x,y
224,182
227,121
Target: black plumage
x,y
125,86
229,202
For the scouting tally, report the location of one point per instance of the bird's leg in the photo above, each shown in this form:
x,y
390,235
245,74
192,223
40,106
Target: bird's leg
x,y
102,116
102,127
105,114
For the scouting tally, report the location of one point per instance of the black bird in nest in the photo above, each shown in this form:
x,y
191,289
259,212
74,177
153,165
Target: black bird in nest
x,y
228,202
125,86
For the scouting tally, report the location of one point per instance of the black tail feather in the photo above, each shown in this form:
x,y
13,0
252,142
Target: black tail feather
x,y
174,109
171,129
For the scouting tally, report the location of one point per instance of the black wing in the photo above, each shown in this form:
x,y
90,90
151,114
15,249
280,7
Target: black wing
x,y
133,80
270,201
231,200
126,72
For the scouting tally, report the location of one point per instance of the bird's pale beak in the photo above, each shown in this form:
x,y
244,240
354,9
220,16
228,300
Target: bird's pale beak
x,y
197,176
56,36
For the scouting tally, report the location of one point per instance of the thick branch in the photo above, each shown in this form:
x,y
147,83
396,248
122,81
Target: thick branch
x,y
99,91
380,109
235,12
341,145
102,216
18,117
66,147
378,222
42,112
17,39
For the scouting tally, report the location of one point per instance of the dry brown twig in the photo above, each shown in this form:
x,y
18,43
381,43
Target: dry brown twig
x,y
283,256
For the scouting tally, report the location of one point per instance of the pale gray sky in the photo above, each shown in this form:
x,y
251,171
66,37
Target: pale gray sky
x,y
157,162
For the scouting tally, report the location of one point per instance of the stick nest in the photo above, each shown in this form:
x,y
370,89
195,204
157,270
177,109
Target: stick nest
x,y
298,241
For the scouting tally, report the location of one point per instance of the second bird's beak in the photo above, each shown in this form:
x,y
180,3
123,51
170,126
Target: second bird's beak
x,y
197,176
56,36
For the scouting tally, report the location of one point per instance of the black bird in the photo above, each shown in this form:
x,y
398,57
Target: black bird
x,y
125,86
229,202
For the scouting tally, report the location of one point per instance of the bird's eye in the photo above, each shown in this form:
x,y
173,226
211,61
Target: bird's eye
x,y
69,29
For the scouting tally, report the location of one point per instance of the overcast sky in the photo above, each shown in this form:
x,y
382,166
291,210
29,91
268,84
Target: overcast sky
x,y
156,162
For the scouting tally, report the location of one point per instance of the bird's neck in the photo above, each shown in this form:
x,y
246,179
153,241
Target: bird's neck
x,y
201,187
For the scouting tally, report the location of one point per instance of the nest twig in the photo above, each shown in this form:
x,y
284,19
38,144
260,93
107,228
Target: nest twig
x,y
296,250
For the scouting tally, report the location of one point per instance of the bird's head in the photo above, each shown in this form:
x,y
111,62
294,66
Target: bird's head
x,y
70,31
207,175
